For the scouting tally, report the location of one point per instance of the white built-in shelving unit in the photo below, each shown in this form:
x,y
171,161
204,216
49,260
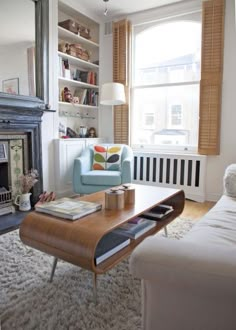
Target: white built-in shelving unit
x,y
79,110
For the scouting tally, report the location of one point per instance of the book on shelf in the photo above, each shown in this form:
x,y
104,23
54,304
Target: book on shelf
x,y
63,65
134,230
110,244
68,208
158,212
88,77
81,94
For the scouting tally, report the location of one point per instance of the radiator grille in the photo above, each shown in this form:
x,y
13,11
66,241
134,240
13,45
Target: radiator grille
x,y
185,172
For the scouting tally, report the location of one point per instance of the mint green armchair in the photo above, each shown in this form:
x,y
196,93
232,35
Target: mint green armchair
x,y
87,181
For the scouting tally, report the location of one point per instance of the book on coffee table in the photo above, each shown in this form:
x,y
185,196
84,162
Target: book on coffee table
x,y
68,208
158,212
135,230
110,244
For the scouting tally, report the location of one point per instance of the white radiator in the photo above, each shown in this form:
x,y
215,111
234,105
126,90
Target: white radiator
x,y
185,172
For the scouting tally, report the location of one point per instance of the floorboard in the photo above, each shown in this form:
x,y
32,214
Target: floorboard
x,y
195,210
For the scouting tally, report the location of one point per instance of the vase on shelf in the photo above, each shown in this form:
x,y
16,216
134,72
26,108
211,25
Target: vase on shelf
x,y
23,201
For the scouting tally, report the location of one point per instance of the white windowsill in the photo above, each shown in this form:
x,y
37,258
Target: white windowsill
x,y
172,151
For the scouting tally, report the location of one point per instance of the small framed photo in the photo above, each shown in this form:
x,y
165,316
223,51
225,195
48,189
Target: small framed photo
x,y
10,86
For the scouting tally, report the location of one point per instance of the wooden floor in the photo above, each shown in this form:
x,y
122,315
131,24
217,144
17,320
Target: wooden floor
x,y
194,210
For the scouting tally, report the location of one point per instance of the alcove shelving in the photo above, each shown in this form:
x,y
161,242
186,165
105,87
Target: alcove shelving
x,y
78,68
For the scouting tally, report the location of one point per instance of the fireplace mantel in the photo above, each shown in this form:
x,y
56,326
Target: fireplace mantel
x,y
19,114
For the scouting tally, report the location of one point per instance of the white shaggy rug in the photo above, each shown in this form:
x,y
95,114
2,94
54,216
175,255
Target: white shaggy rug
x,y
28,301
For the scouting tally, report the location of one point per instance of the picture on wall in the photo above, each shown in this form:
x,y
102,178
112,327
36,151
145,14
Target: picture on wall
x,y
10,86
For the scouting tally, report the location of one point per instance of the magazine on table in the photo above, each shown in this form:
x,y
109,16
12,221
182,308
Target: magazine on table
x,y
68,208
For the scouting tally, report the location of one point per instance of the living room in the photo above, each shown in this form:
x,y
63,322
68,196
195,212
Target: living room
x,y
215,165
53,163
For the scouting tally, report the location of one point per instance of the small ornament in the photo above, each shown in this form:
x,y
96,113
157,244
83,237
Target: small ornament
x,y
92,132
67,95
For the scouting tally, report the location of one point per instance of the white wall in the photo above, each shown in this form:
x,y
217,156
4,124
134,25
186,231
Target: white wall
x,y
106,75
14,65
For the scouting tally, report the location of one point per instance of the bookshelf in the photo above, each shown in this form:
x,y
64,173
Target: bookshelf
x,y
78,68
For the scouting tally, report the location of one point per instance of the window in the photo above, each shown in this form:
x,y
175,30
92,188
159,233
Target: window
x,y
165,83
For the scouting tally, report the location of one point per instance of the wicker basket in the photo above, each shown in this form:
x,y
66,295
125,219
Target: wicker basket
x,y
70,25
84,32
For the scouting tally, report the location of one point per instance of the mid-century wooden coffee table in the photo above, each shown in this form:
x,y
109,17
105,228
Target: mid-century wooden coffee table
x,y
76,241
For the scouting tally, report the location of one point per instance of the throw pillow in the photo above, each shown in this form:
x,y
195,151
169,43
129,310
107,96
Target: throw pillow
x,y
230,181
99,157
113,160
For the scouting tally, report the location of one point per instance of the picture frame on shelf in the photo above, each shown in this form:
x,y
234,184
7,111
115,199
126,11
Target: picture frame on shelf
x,y
10,86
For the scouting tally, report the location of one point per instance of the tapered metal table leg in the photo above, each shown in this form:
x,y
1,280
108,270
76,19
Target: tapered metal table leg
x,y
95,287
166,232
54,265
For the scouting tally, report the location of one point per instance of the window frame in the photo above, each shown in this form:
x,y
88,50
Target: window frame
x,y
192,16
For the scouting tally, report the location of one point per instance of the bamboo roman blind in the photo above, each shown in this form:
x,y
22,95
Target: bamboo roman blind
x,y
121,47
211,76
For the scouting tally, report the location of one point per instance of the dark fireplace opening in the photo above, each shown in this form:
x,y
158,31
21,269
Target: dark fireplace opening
x,y
20,151
6,202
4,175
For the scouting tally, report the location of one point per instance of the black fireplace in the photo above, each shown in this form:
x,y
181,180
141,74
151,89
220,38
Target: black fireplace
x,y
26,122
22,124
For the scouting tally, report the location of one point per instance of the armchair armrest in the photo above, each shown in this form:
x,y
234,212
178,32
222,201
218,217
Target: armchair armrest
x,y
127,166
82,164
126,175
182,262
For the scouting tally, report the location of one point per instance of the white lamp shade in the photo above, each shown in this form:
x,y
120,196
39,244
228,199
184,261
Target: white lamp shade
x,y
112,94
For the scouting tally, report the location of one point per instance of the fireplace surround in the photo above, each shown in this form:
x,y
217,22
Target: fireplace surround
x,y
25,122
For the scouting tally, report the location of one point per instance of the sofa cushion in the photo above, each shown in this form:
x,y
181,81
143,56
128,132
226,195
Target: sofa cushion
x,y
102,178
218,226
230,180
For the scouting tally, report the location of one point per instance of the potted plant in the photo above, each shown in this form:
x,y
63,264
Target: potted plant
x,y
26,182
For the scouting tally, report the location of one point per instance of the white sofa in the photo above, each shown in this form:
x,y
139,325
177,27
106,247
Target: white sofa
x,y
190,284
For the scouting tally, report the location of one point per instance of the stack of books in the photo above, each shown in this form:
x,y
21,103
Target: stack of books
x,y
135,228
68,208
110,244
121,237
158,212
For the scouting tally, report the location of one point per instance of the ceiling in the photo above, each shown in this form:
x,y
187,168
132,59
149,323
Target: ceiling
x,y
122,7
13,30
